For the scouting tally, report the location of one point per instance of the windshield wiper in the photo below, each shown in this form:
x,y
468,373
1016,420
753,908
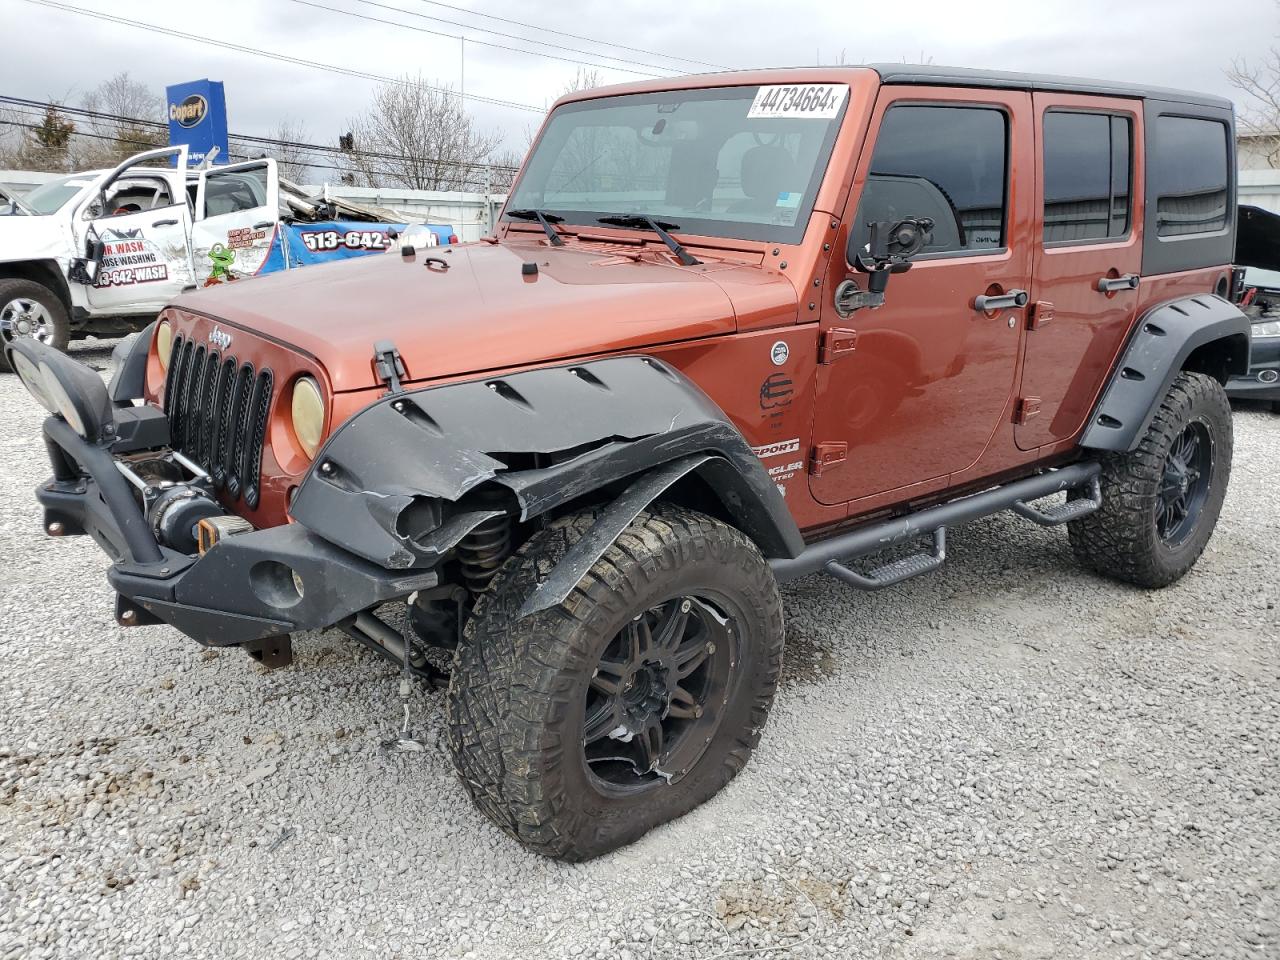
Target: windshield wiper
x,y
545,219
657,226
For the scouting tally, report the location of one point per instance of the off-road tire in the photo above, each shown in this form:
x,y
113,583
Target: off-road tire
x,y
14,289
1120,539
516,696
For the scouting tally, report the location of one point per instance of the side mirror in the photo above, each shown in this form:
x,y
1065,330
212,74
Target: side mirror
x,y
891,246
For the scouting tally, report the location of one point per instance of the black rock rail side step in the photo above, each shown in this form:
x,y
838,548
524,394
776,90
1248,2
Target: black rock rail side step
x,y
896,572
830,555
1065,512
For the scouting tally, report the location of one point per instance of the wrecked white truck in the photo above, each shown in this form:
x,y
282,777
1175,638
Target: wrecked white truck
x,y
100,253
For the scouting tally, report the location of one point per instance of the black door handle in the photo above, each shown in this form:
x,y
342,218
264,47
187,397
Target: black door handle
x,y
263,224
1005,301
165,223
1129,281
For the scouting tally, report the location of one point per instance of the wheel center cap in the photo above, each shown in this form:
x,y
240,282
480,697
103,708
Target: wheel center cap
x,y
24,327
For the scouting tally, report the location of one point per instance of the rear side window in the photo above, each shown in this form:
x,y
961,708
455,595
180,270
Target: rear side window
x,y
1189,173
946,163
1087,176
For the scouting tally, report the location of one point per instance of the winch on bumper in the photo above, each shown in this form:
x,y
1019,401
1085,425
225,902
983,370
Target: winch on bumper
x,y
250,587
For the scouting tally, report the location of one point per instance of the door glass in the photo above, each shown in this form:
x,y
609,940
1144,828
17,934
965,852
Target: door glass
x,y
946,163
235,190
1086,176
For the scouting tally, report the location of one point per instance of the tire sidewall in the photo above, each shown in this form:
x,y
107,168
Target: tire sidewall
x,y
651,562
630,816
1205,405
20,289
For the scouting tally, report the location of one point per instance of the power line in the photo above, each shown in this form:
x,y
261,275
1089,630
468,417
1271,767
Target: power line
x,y
283,58
36,108
496,33
573,36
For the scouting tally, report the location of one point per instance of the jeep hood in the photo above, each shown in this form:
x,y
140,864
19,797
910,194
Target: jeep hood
x,y
480,313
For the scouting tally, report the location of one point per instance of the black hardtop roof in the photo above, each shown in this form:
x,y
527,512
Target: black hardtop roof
x,y
934,76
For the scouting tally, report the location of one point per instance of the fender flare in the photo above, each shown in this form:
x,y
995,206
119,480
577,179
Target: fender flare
x,y
404,480
1165,341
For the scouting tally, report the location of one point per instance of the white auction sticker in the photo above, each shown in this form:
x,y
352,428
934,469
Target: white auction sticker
x,y
810,101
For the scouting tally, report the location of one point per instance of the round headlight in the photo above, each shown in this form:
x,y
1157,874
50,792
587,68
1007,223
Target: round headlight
x,y
308,415
33,380
164,343
62,401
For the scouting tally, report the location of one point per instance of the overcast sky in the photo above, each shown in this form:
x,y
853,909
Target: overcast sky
x,y
52,53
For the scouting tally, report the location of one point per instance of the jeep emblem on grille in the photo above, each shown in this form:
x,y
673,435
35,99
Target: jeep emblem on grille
x,y
220,338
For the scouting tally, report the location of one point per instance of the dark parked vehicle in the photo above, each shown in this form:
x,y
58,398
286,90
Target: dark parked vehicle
x,y
1258,293
732,330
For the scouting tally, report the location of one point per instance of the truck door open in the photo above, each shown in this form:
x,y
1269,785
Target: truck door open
x,y
133,234
236,233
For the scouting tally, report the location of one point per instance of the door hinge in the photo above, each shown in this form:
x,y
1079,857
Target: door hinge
x,y
836,343
1041,312
827,454
1028,407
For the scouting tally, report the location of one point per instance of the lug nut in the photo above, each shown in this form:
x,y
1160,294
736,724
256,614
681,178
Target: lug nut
x,y
686,606
55,530
711,648
128,618
697,712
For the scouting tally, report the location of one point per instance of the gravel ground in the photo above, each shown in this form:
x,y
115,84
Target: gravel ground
x,y
1011,759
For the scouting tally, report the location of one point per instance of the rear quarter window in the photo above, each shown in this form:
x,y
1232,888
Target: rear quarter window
x,y
1190,176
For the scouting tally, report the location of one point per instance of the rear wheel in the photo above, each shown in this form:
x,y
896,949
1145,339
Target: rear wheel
x,y
582,727
33,311
1160,502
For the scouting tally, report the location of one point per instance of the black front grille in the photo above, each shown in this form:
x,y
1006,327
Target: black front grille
x,y
218,409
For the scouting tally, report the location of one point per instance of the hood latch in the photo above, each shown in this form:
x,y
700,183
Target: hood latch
x,y
388,365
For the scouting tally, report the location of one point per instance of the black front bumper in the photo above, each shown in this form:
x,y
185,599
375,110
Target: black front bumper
x,y
239,592
1258,384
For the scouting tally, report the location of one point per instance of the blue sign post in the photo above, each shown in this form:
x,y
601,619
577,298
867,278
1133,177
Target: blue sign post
x,y
198,118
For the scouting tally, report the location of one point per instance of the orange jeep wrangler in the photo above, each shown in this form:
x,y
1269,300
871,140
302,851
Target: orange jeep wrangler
x,y
732,330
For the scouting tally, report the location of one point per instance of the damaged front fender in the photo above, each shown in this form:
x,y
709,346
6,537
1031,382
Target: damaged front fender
x,y
391,485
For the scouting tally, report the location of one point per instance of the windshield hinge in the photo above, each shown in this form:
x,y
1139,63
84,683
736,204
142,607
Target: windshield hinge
x,y
388,365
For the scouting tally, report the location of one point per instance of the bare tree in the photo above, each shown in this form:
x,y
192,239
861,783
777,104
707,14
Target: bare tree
x,y
292,157
583,79
420,136
503,165
130,111
1259,81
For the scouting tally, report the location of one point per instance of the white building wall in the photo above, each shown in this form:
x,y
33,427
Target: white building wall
x,y
1260,188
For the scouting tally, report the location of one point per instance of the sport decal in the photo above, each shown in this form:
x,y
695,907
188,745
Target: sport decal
x,y
770,450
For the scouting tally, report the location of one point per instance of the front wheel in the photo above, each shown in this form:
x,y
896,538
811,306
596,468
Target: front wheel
x,y
630,703
1160,501
31,310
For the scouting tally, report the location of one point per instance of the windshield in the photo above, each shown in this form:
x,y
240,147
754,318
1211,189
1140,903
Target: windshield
x,y
52,196
739,162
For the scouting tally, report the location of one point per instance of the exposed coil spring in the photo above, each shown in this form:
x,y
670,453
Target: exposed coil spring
x,y
482,551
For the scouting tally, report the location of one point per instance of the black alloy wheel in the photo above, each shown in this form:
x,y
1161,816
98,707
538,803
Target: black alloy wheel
x,y
658,693
1184,486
